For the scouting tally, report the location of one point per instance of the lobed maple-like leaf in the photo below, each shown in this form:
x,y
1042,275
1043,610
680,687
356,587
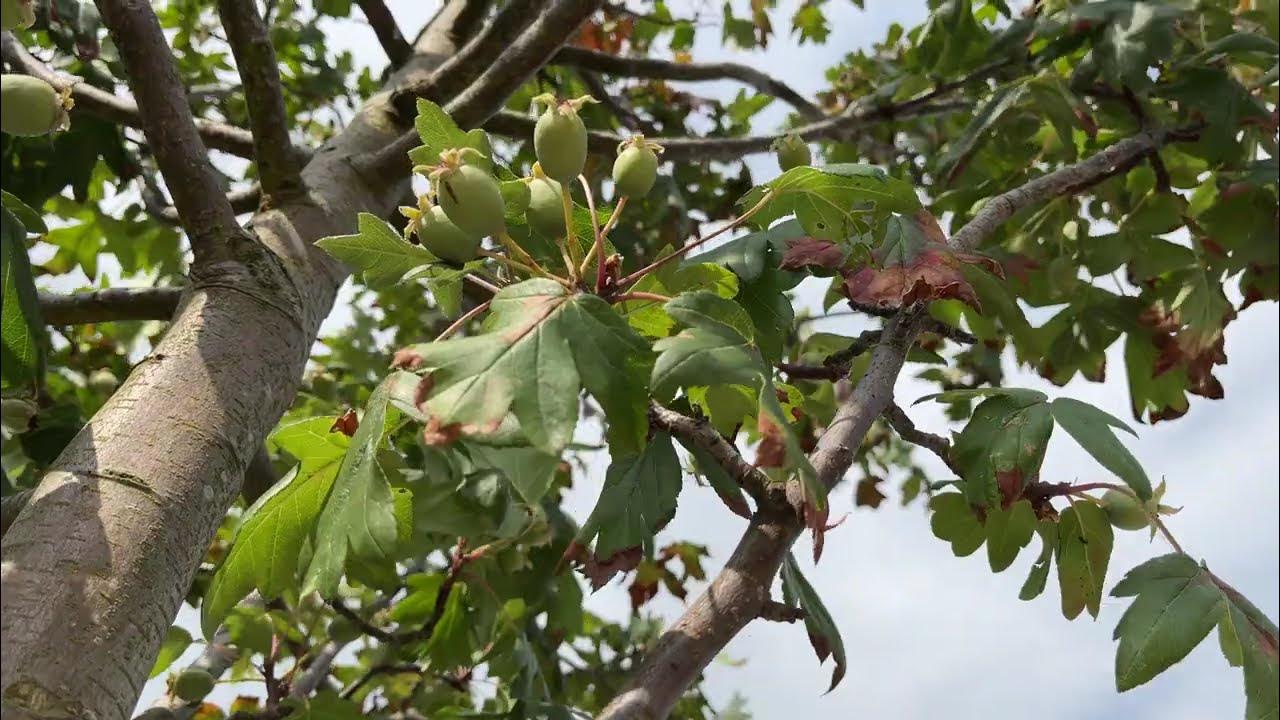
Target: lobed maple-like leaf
x,y
912,265
542,344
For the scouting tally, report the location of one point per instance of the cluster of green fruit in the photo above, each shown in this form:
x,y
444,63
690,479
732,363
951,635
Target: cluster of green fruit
x,y
29,105
465,203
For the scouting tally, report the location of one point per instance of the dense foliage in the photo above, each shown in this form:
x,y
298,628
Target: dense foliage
x,y
418,515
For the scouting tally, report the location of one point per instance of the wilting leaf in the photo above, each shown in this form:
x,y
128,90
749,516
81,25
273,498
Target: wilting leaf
x,y
823,633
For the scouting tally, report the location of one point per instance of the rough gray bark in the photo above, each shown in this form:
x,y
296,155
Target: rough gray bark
x,y
101,556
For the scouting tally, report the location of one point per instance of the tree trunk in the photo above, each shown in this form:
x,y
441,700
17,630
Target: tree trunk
x,y
96,564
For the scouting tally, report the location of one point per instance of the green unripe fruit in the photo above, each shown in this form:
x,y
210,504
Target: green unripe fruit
x,y
103,381
792,152
342,630
560,142
30,106
478,140
192,684
17,14
156,713
16,414
1124,511
635,171
546,207
472,201
445,240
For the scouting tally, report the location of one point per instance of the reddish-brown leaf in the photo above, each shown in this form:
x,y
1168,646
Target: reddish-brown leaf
x,y
346,423
867,493
807,252
406,359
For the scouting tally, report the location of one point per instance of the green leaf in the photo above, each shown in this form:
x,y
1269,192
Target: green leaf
x,y
529,470
250,629
1008,531
713,349
1039,575
540,345
1084,549
823,633
979,128
438,132
724,486
831,202
176,641
1176,602
954,521
377,251
21,328
265,549
638,499
359,515
1091,428
773,418
1001,448
26,216
649,317
450,643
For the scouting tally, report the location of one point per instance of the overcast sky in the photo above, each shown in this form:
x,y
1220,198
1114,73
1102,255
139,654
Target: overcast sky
x,y
930,635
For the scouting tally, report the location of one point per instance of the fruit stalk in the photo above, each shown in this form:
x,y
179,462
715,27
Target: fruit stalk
x,y
462,321
738,221
598,248
570,239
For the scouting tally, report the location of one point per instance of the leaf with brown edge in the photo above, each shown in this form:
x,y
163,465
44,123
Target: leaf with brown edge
x,y
823,633
914,264
810,253
867,493
346,423
638,499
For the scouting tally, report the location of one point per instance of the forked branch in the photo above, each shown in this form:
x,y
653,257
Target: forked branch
x,y
279,169
171,130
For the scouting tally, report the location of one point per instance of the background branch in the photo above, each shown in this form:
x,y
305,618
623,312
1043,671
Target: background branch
x,y
171,131
121,110
279,169
110,305
242,201
398,49
642,67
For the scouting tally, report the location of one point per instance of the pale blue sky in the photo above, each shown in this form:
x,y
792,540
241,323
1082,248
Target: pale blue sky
x,y
933,636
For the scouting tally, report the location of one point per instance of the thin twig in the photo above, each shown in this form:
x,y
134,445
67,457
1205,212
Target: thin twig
x,y
384,26
737,222
461,322
625,297
597,245
907,430
207,217
279,169
775,611
643,67
365,626
836,365
699,432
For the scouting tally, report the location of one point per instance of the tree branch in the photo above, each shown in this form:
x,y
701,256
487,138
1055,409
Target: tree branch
x,y
907,430
171,131
242,201
651,68
1069,180
398,49
123,110
620,109
460,70
279,169
699,432
740,591
837,364
365,626
840,127
110,305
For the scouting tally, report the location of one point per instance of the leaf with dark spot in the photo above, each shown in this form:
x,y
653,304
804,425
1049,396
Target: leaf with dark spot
x,y
811,252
